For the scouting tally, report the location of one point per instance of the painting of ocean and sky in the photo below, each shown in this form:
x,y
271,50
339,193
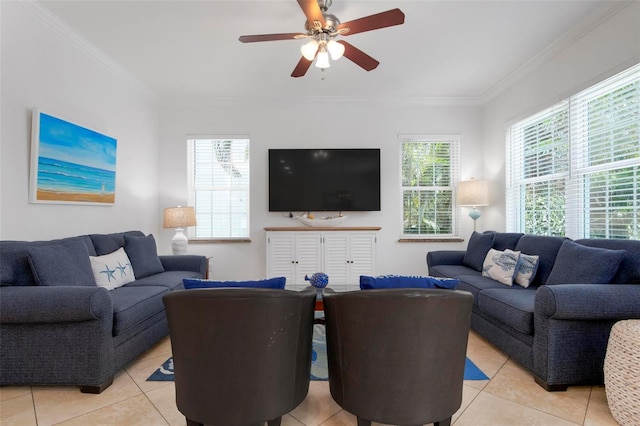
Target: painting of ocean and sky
x,y
71,164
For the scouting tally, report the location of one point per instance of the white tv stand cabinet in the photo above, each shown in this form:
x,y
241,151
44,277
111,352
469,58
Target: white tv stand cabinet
x,y
343,253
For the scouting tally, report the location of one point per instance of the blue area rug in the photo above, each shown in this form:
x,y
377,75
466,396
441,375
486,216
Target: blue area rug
x,y
319,369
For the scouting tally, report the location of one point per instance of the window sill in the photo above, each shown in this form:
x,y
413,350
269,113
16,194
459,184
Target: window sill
x,y
219,240
431,240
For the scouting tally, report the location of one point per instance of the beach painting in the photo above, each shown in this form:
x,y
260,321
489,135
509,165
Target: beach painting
x,y
70,163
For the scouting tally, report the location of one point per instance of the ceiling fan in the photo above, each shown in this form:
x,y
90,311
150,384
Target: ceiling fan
x,y
322,27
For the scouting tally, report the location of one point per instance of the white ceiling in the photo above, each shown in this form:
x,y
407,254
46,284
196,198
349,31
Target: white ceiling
x,y
453,50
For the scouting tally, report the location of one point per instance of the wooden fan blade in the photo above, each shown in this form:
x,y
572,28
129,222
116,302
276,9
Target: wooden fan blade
x,y
268,37
358,57
302,67
373,22
312,11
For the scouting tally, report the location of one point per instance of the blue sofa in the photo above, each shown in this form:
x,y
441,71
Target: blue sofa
x,y
59,328
558,327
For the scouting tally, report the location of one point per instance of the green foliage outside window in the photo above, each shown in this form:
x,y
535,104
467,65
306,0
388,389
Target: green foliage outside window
x,y
427,194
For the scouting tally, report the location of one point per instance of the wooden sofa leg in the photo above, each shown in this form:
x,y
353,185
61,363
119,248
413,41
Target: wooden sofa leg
x,y
96,389
548,387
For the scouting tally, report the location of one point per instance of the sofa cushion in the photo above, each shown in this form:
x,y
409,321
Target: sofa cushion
x,y
64,263
169,279
398,281
546,247
451,271
578,264
108,243
133,305
277,283
112,270
479,245
506,240
501,266
512,306
527,268
143,254
14,259
475,283
629,270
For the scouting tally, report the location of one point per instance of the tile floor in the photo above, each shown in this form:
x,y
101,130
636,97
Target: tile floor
x,y
510,397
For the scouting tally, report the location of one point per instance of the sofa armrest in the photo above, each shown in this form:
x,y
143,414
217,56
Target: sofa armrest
x,y
591,302
186,263
40,304
572,325
445,257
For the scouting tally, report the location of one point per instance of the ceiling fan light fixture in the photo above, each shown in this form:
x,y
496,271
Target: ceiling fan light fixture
x,y
309,49
322,60
336,50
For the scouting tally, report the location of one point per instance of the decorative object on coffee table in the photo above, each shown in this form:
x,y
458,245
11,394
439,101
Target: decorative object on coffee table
x,y
622,372
179,218
318,280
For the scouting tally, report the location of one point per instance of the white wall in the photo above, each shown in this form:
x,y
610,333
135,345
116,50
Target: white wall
x,y
45,66
313,124
611,47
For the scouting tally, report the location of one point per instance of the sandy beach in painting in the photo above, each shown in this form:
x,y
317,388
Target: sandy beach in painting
x,y
75,197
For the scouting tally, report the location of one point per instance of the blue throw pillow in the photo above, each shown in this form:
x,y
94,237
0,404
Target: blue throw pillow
x,y
65,263
578,264
277,283
399,281
143,255
477,249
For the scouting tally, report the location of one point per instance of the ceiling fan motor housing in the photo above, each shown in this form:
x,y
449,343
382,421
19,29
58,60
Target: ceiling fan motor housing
x,y
331,22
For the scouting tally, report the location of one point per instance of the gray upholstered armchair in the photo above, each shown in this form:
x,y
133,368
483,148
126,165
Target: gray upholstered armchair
x,y
398,356
241,355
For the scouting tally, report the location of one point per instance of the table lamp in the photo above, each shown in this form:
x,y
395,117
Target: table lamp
x,y
179,218
473,193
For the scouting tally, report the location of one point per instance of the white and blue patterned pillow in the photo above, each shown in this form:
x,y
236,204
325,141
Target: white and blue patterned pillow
x,y
501,266
527,268
112,270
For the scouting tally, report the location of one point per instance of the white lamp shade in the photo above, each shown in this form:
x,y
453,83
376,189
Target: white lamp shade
x,y
309,50
473,193
322,60
336,50
179,217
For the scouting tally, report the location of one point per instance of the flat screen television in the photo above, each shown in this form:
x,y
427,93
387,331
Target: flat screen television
x,y
324,180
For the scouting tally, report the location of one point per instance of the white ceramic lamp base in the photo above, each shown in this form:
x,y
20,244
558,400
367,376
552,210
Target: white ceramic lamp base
x,y
179,242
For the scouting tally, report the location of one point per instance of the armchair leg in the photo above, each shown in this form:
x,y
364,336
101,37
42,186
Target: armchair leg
x,y
363,422
445,422
275,422
193,422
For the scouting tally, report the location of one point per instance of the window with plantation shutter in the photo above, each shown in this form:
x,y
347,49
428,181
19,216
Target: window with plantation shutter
x,y
574,169
219,187
429,177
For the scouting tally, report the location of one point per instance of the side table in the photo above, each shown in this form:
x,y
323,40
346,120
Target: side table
x,y
622,372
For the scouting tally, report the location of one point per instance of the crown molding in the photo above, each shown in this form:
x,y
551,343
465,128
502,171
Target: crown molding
x,y
58,26
588,24
189,101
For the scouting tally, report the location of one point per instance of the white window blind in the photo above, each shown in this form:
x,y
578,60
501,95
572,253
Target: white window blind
x,y
219,187
574,169
429,177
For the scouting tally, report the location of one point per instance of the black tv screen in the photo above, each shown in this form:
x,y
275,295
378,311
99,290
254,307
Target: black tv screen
x,y
324,180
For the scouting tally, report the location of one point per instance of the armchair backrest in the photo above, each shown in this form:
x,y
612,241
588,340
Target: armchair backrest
x,y
398,356
241,355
